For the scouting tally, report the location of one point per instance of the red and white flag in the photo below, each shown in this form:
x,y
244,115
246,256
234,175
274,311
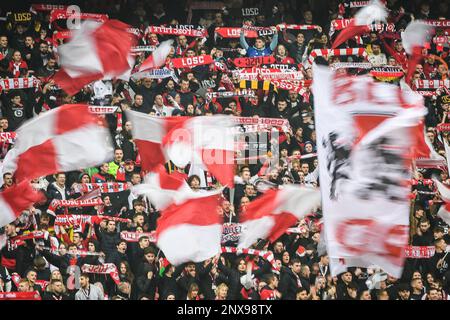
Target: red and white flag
x,y
364,172
416,34
14,200
375,11
444,211
191,231
272,214
163,189
95,50
63,139
206,140
158,58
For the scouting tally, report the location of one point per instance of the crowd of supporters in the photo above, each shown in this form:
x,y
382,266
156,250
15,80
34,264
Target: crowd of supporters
x,y
53,265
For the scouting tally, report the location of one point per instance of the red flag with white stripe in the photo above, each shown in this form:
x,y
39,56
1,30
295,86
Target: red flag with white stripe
x,y
192,230
14,200
375,11
163,189
63,139
206,140
444,211
95,50
158,58
272,214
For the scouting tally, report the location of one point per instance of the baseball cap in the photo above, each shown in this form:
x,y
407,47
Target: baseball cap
x,y
129,161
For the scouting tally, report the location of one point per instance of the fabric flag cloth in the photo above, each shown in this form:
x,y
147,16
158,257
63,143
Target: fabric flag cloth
x,y
191,231
272,214
413,39
365,203
95,50
163,189
63,139
16,199
207,140
158,58
375,11
444,211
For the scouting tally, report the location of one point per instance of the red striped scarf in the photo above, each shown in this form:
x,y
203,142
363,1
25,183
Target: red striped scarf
x,y
107,187
266,255
336,52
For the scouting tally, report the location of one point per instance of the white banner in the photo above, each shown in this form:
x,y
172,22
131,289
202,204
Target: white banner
x,y
364,139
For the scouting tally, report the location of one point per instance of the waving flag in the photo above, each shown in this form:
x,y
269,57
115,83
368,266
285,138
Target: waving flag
x,y
206,140
163,189
272,214
375,11
364,172
444,211
96,50
413,39
191,231
14,200
158,58
63,139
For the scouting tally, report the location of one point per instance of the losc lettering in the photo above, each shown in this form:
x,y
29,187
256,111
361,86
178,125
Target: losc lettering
x,y
193,60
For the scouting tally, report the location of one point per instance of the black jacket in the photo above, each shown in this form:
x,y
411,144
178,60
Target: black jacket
x,y
289,284
107,240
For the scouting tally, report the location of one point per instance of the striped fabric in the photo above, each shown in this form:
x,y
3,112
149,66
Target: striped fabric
x,y
336,52
265,85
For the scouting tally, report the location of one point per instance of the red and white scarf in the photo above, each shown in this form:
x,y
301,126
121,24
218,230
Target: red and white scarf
x,y
19,83
387,72
73,203
253,62
294,85
106,268
261,124
143,49
349,65
336,52
266,255
298,27
58,14
419,252
180,30
107,187
15,242
190,62
431,84
246,93
103,109
438,23
130,236
443,127
228,32
267,74
8,136
20,295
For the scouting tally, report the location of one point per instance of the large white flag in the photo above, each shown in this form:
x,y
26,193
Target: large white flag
x,y
365,131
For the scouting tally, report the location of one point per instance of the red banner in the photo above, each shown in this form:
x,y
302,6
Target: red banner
x,y
421,252
7,136
62,14
20,296
235,33
443,127
190,62
253,62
